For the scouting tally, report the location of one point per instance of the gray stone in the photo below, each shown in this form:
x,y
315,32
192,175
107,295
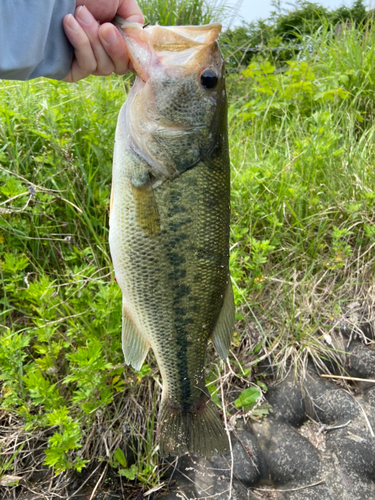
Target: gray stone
x,y
347,485
328,403
287,401
317,492
290,457
270,453
248,462
369,396
361,361
354,449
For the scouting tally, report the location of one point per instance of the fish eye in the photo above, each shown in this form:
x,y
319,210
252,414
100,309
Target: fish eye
x,y
209,79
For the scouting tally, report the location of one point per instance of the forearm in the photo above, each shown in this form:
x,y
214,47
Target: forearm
x,y
32,39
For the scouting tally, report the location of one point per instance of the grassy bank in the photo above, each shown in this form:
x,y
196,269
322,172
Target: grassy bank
x,y
303,188
302,237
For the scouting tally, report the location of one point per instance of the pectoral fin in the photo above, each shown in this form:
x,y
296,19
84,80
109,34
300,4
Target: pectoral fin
x,y
223,333
146,209
134,346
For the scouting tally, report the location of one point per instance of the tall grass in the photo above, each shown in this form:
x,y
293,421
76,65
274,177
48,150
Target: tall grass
x,y
183,12
303,191
60,306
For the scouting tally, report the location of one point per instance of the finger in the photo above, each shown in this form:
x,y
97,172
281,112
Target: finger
x,y
86,20
84,62
115,47
102,10
130,11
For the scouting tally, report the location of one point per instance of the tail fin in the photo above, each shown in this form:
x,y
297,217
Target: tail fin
x,y
199,433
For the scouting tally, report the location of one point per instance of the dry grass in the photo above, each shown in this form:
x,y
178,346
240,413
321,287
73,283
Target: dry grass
x,y
124,424
305,324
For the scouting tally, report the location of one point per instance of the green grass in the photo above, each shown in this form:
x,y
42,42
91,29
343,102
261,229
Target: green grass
x,y
303,188
60,349
183,12
302,238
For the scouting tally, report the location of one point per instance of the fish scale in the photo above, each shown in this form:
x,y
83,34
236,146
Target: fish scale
x,y
200,280
169,230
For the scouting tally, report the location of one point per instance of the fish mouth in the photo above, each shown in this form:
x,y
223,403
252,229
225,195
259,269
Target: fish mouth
x,y
175,50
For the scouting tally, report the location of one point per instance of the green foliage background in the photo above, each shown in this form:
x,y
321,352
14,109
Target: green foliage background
x,y
301,128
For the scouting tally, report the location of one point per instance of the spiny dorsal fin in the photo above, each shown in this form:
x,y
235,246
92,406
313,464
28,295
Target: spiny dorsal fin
x,y
134,346
223,333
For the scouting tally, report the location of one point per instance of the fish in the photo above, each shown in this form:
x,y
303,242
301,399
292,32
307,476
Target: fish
x,y
169,224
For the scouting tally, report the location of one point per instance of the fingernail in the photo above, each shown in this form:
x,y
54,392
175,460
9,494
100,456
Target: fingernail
x,y
109,34
85,15
72,23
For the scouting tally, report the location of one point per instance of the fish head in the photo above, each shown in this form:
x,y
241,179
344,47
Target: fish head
x,y
176,110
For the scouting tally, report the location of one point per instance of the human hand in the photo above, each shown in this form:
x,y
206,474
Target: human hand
x,y
99,49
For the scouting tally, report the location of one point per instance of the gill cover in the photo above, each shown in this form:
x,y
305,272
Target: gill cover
x,y
172,112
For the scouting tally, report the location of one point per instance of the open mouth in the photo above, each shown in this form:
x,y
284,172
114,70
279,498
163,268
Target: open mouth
x,y
176,50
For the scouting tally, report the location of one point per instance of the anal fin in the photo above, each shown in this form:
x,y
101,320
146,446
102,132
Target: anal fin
x,y
134,346
223,332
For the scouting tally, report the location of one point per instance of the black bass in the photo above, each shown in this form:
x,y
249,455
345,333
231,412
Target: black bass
x,y
169,224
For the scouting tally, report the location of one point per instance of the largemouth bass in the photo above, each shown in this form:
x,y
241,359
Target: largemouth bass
x,y
169,224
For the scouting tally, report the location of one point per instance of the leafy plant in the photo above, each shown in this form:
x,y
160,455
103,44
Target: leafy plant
x,y
248,398
119,461
61,443
341,249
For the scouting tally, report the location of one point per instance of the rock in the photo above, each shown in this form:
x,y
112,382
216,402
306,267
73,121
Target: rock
x,y
354,450
369,396
290,457
271,454
361,361
287,401
317,492
347,485
249,465
327,402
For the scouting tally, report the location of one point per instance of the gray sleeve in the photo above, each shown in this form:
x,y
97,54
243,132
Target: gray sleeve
x,y
32,39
